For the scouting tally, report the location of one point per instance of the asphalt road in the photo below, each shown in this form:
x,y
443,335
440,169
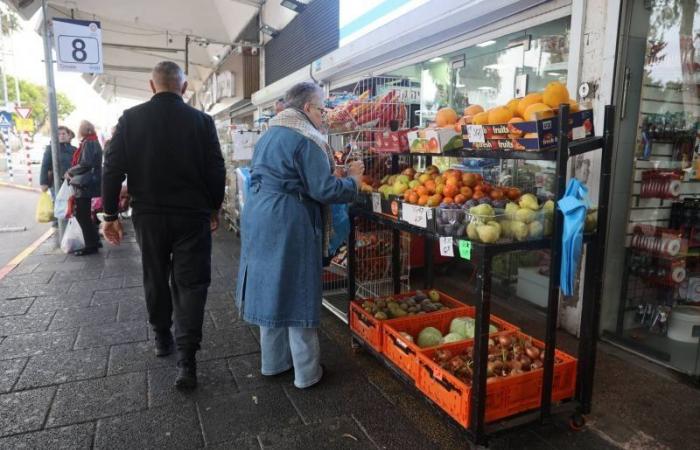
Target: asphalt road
x,y
17,209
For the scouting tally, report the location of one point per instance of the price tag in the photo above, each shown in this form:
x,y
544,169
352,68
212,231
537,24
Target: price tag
x,y
578,133
475,133
376,202
446,248
465,249
415,215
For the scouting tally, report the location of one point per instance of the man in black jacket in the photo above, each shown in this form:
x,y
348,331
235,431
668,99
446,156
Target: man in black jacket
x,y
176,174
65,158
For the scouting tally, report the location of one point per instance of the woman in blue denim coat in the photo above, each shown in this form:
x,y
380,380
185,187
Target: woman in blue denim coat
x,y
285,229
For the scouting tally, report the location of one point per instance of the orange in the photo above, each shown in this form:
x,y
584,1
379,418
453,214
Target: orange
x,y
421,191
466,191
528,100
446,117
430,186
448,200
413,198
459,198
555,94
500,114
473,110
434,200
450,190
538,111
481,119
573,106
468,179
423,200
516,119
407,193
439,187
513,106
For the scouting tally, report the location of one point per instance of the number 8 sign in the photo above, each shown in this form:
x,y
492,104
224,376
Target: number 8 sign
x,y
78,45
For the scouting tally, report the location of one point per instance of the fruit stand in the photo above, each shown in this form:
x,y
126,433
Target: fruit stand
x,y
543,380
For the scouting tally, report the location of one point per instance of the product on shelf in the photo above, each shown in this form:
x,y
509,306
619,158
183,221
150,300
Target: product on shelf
x,y
367,112
393,308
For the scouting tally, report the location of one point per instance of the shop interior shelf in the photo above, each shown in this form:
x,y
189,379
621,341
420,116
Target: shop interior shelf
x,y
585,145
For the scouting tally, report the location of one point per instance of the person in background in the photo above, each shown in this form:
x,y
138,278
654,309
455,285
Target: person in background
x,y
279,105
171,155
285,232
65,158
85,176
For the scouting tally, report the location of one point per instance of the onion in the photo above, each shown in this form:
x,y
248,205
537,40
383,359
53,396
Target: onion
x,y
443,355
533,352
504,340
536,365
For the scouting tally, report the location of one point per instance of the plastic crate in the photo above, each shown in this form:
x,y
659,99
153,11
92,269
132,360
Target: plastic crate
x,y
371,330
404,353
504,397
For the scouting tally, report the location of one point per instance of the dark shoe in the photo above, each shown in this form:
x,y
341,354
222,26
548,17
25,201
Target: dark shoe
x,y
186,375
164,344
86,251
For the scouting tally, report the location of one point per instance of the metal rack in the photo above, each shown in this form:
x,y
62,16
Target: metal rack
x,y
483,254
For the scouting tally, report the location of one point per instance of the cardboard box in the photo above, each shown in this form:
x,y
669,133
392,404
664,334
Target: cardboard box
x,y
533,135
434,140
391,141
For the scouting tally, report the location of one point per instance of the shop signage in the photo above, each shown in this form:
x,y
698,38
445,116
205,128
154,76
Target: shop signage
x,y
446,246
225,85
376,202
415,215
78,45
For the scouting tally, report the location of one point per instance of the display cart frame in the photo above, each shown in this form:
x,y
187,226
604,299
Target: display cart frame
x,y
482,254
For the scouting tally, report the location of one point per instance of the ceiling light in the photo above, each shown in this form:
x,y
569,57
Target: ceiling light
x,y
294,5
438,59
486,44
270,31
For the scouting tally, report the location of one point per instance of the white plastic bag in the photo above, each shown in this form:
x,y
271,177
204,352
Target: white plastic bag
x,y
72,237
61,201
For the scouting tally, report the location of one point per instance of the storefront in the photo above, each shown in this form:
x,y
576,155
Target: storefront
x,y
653,277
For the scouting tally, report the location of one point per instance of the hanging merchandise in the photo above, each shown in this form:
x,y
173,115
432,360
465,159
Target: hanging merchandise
x,y
573,206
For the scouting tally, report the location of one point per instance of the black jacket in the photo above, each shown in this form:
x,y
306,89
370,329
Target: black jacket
x,y
171,155
90,167
65,157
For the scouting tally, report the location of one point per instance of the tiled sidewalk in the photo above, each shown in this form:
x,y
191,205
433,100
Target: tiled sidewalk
x,y
77,370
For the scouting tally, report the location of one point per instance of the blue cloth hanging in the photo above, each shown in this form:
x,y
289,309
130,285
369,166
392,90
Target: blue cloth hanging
x,y
341,227
573,206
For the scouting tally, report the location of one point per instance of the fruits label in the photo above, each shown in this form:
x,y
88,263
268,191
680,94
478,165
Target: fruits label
x,y
415,215
446,248
465,249
475,133
376,202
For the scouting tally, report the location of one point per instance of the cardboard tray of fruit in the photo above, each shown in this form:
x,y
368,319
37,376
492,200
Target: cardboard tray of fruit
x,y
514,382
405,338
368,316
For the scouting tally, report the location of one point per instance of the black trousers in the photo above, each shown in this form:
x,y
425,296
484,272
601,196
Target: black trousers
x,y
176,258
83,213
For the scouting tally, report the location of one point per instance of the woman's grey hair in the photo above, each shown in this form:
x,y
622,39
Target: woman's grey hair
x,y
302,93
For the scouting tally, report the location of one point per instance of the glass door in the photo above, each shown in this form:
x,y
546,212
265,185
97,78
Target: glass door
x,y
652,302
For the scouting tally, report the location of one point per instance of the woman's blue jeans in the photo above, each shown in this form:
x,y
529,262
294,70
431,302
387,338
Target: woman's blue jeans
x,y
283,348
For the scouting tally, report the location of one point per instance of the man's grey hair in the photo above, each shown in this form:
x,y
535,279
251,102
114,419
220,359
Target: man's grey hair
x,y
302,93
167,74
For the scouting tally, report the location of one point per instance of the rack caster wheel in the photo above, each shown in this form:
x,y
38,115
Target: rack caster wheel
x,y
577,422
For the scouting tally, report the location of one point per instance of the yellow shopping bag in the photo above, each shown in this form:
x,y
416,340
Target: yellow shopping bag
x,y
44,209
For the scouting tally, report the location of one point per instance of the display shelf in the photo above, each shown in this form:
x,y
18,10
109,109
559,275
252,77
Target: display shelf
x,y
586,145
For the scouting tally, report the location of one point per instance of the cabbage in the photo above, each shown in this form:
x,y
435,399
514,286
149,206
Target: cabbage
x,y
493,329
452,337
464,326
406,336
429,337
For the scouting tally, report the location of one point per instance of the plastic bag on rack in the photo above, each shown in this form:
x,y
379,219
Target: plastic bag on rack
x,y
341,227
61,202
72,237
44,208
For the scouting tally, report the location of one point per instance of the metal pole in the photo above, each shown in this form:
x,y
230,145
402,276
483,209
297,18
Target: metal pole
x,y
53,109
187,54
18,101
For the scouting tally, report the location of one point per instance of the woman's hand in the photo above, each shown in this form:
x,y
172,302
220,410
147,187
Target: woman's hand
x,y
355,170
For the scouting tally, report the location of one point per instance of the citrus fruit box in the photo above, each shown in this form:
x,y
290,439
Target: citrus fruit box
x,y
434,140
403,352
371,329
505,396
527,135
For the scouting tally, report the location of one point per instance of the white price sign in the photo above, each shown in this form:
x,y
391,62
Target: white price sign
x,y
475,133
415,215
446,248
376,202
78,45
578,132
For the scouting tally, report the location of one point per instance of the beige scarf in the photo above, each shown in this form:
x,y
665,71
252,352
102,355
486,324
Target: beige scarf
x,y
299,122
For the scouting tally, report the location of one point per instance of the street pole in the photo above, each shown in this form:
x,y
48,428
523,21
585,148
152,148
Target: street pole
x,y
53,109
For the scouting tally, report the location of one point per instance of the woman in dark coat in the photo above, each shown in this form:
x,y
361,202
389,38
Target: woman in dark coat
x,y
86,179
285,232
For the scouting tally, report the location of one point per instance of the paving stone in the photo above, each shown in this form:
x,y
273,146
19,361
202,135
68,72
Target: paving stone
x,y
24,411
332,433
256,412
24,267
102,397
74,437
64,367
111,334
246,372
50,258
9,372
81,317
214,379
33,290
226,343
244,441
132,310
219,300
15,307
112,296
56,302
135,357
222,284
69,277
34,344
173,427
22,279
102,284
27,323
226,318
68,266
133,280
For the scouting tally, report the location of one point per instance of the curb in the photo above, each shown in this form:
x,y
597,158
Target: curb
x,y
19,186
24,253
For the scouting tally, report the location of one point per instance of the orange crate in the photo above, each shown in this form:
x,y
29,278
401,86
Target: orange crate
x,y
404,353
504,398
371,330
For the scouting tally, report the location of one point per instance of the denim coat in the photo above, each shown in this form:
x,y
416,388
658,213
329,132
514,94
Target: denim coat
x,y
279,279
